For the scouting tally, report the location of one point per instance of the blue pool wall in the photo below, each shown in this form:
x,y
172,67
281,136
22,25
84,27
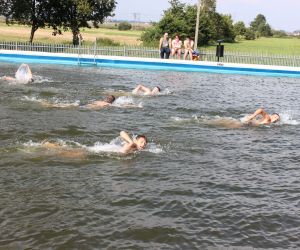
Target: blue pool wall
x,y
147,63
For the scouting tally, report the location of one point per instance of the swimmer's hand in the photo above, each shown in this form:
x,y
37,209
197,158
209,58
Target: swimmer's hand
x,y
126,137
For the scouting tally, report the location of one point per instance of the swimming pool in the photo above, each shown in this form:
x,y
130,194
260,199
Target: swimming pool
x,y
147,63
195,186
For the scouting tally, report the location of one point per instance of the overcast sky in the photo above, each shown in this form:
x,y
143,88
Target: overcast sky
x,y
280,14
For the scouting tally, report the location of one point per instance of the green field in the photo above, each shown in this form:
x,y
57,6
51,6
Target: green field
x,y
271,46
21,33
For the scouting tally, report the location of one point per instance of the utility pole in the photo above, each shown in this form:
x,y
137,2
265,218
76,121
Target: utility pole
x,y
197,24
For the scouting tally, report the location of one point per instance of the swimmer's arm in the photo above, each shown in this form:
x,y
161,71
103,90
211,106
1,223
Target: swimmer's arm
x,y
260,111
9,78
126,137
128,147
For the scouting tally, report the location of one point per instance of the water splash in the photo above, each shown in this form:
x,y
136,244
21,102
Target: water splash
x,y
177,119
286,117
23,74
113,146
154,148
127,101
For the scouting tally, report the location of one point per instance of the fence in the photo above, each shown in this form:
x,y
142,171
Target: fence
x,y
145,52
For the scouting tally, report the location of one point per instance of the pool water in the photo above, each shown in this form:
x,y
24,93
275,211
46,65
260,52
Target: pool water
x,y
196,185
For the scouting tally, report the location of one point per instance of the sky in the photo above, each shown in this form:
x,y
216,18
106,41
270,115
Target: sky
x,y
280,14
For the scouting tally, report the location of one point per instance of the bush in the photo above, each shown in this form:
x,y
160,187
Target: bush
x,y
279,33
240,38
106,42
249,34
124,26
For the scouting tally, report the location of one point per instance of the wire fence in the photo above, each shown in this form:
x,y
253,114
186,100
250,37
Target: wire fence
x,y
146,52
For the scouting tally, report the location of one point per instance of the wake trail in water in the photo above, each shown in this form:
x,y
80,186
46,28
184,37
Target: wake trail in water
x,y
99,148
55,102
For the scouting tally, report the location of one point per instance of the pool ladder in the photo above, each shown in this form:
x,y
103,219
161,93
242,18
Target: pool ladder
x,y
87,61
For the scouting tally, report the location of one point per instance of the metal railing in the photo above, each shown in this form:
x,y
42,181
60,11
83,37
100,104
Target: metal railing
x,y
146,52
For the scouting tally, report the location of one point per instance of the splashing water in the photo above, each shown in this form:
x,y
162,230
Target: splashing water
x,y
114,146
23,74
286,117
124,101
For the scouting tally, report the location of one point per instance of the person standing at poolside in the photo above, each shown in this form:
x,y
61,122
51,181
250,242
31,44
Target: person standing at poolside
x,y
176,47
188,48
164,46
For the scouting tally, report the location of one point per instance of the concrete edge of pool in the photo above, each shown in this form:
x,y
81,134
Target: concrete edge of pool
x,y
148,63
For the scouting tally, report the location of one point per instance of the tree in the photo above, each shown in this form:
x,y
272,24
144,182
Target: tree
x,y
239,28
35,13
181,19
264,30
249,34
58,14
260,26
78,14
279,33
208,5
259,20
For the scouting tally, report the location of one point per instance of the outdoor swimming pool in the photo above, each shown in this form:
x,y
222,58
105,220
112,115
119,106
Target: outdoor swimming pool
x,y
195,186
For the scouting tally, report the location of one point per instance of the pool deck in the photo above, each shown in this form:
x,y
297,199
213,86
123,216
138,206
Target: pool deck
x,y
147,63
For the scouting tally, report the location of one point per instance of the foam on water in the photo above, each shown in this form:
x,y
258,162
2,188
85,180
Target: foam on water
x,y
125,101
286,117
41,79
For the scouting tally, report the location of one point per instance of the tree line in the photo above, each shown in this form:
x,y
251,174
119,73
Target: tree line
x,y
60,15
180,19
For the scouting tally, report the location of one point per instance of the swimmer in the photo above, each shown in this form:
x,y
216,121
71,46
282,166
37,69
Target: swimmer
x,y
64,151
145,90
132,145
101,104
261,117
108,100
23,75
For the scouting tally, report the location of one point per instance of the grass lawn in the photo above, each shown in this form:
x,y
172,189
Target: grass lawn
x,y
274,46
22,33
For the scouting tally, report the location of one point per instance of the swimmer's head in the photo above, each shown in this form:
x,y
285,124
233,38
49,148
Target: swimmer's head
x,y
110,99
141,141
156,90
275,118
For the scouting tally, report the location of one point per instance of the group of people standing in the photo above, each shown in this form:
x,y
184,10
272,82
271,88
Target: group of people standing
x,y
174,47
